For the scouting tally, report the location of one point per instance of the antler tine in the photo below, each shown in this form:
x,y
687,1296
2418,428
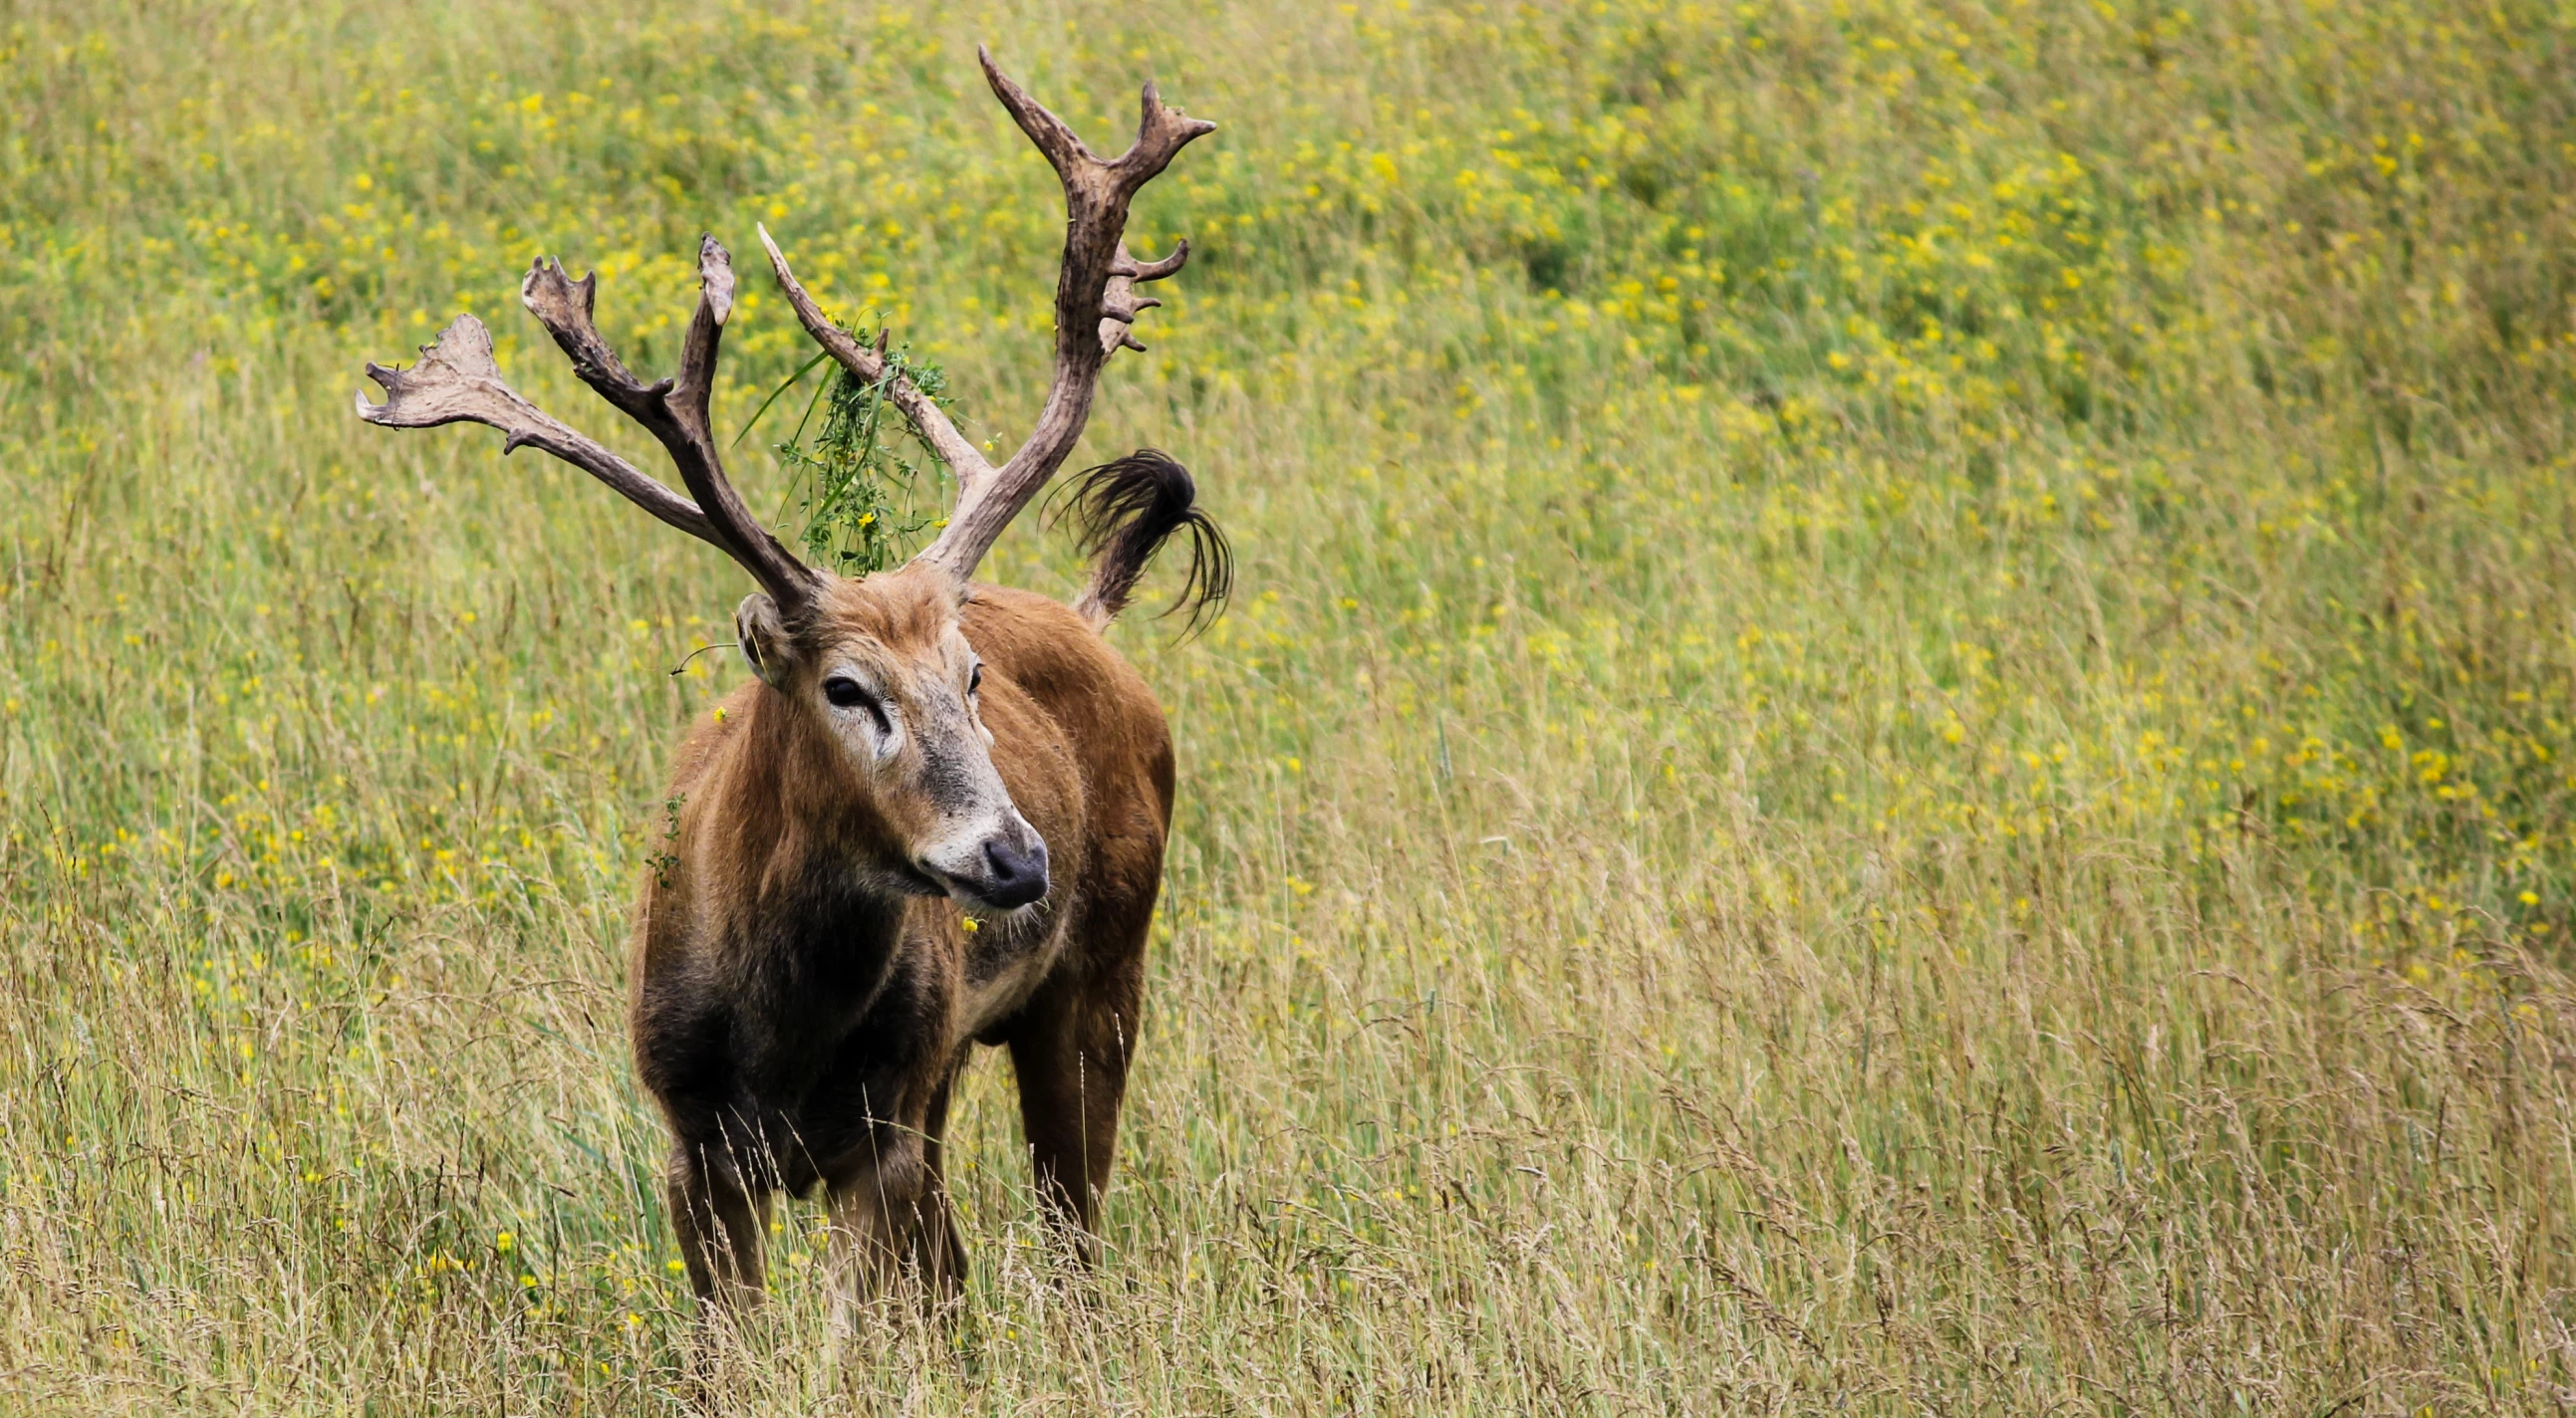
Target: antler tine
x,y
695,382
1064,148
1095,303
1161,132
458,381
867,364
1129,267
674,410
1119,303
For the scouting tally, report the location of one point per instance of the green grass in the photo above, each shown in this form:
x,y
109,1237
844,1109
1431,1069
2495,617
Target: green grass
x,y
1897,737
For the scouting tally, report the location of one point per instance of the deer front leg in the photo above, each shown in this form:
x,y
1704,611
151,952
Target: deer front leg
x,y
865,1252
875,1222
936,1247
719,1221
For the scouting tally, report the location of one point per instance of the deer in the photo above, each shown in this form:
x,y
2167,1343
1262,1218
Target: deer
x,y
932,818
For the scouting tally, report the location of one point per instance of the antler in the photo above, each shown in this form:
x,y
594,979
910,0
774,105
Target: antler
x,y
1095,306
457,380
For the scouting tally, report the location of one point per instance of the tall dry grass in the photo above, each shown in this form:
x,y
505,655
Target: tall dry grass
x,y
1898,738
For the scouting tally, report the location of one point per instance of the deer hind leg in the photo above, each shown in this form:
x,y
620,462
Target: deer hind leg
x,y
719,1218
1070,1049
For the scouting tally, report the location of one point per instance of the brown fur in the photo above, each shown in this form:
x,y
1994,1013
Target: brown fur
x,y
800,1014
805,982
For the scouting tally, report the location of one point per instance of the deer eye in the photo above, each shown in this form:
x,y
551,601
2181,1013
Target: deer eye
x,y
974,679
843,692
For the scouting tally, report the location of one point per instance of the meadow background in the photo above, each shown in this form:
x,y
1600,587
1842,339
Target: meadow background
x,y
1897,736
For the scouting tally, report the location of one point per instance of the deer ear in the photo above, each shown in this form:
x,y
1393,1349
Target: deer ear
x,y
763,638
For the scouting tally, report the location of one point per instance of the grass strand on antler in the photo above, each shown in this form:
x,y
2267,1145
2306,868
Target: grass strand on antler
x,y
862,502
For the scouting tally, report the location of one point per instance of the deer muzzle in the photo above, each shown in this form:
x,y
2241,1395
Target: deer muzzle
x,y
1002,870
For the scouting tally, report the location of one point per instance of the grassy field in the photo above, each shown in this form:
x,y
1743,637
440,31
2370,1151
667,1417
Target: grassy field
x,y
1897,737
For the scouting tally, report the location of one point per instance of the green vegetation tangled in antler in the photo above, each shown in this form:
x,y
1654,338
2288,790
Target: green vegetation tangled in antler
x,y
864,504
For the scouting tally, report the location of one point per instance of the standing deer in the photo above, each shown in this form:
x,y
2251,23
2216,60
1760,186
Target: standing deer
x,y
935,818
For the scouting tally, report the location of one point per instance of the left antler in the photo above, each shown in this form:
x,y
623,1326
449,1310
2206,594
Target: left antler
x,y
1095,306
458,381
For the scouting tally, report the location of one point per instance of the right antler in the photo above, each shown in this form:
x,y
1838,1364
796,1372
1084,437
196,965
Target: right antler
x,y
457,380
1095,303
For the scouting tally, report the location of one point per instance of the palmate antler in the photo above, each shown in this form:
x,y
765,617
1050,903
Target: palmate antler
x,y
457,379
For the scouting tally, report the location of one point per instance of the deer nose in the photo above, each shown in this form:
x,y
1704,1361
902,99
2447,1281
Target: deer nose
x,y
1015,869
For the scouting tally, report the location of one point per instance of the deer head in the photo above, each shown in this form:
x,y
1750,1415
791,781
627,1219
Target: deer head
x,y
885,707
877,669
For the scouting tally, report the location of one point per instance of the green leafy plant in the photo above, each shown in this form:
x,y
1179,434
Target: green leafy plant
x,y
864,499
669,856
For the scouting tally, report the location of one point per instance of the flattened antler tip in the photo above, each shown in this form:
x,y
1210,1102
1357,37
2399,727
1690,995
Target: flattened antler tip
x,y
1161,132
715,277
392,413
1155,107
553,296
551,268
460,333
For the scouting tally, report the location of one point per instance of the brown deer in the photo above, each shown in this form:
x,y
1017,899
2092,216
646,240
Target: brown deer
x,y
935,818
